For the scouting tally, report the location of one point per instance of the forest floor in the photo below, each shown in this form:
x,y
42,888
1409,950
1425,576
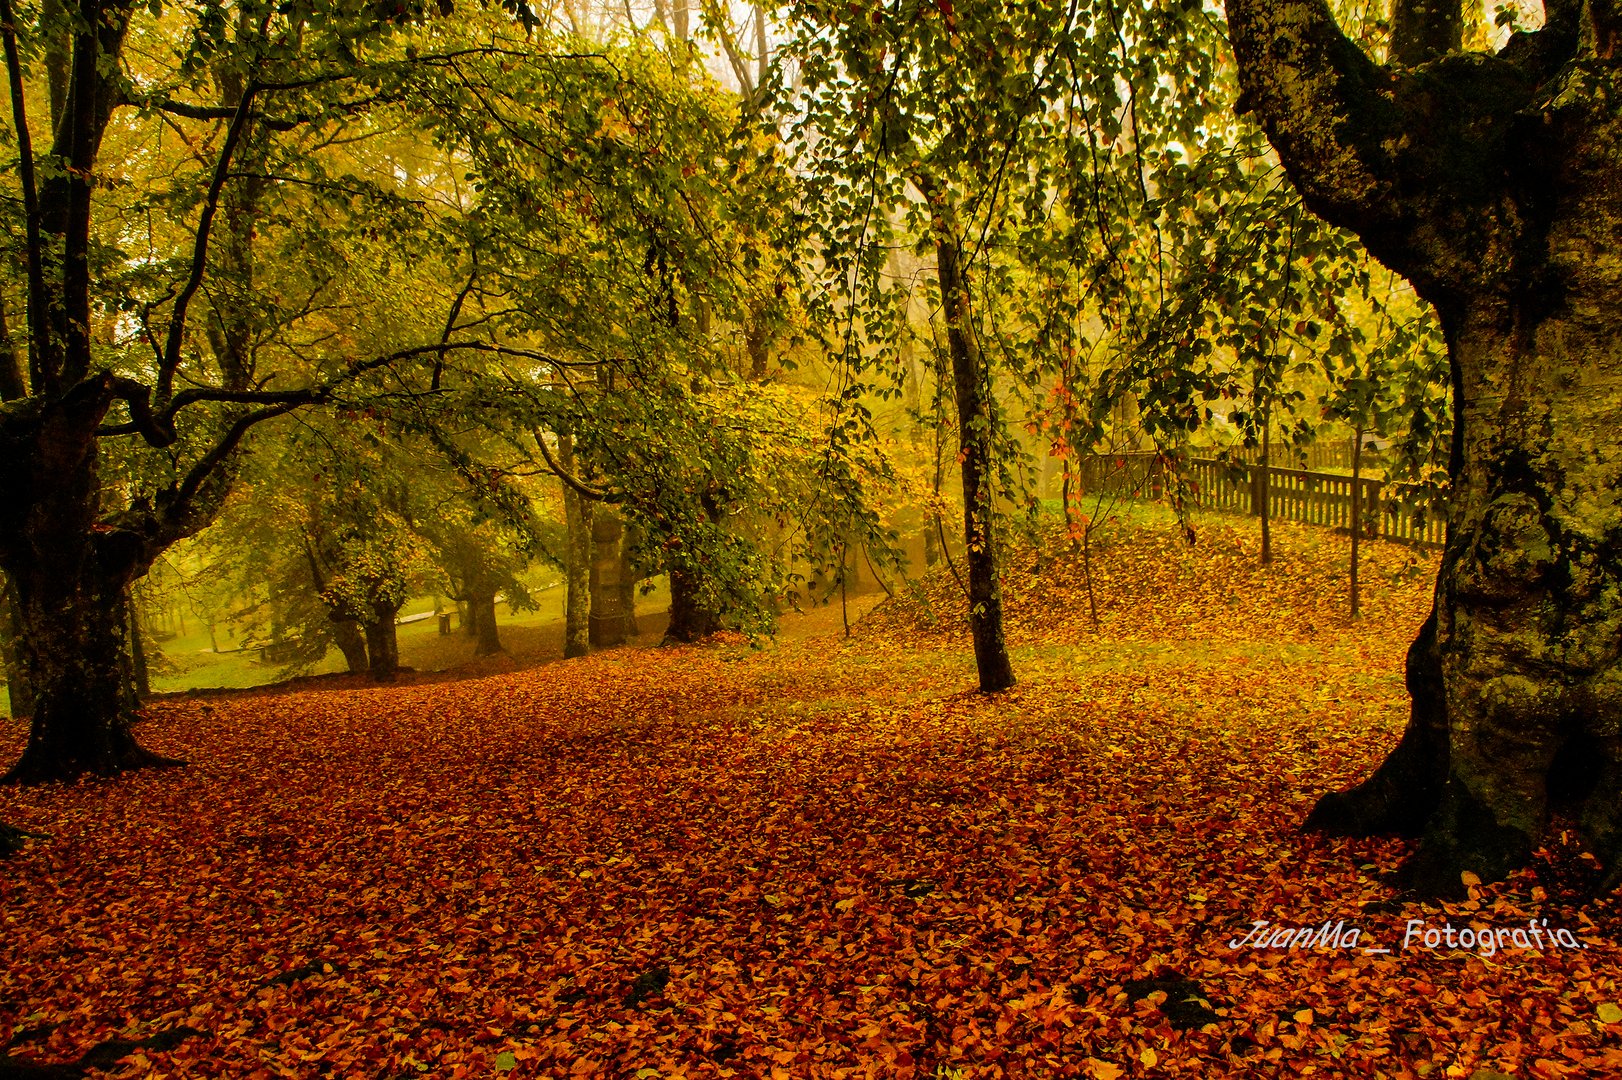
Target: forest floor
x,y
821,858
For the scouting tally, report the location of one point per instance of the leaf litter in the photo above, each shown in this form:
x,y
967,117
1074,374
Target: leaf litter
x,y
823,858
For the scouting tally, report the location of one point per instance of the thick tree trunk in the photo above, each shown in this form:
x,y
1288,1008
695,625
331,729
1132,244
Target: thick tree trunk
x,y
70,581
483,604
690,618
577,517
352,643
75,650
974,416
607,618
382,644
1490,182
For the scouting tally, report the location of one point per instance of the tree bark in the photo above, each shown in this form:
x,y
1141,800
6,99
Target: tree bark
x,y
382,643
74,649
352,643
607,618
690,618
19,689
577,518
1265,486
974,416
482,602
1490,183
1357,512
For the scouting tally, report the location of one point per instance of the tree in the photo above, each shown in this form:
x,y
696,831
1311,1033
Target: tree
x,y
148,367
1488,180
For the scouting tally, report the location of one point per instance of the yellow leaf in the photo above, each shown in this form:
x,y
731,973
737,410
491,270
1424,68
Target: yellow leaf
x,y
1103,1070
1609,1013
1304,1016
1149,1058
1470,877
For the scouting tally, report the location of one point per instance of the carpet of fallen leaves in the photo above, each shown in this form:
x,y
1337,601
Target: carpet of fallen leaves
x,y
819,859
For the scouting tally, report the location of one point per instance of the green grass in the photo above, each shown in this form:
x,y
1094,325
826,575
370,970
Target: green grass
x,y
190,663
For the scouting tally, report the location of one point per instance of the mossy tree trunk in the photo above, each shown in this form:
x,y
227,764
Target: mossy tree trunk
x,y
1490,182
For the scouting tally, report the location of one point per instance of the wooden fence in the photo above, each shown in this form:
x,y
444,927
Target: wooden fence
x,y
1390,510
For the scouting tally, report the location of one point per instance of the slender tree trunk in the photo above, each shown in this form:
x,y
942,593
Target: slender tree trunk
x,y
18,686
382,643
352,643
974,414
13,376
1265,498
140,678
1357,512
628,581
577,517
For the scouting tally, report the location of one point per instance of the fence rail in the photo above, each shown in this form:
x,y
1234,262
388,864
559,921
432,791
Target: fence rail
x,y
1390,510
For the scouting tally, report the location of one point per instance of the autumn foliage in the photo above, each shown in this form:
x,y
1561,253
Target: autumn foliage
x,y
819,859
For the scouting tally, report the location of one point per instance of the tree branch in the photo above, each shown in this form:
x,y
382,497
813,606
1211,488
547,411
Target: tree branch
x,y
580,487
199,259
42,373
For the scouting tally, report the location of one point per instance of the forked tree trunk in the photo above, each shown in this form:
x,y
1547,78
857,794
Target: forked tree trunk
x,y
70,582
352,643
1491,183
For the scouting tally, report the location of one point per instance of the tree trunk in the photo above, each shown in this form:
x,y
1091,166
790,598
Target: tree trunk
x,y
577,516
382,644
352,643
74,648
18,688
140,679
1357,512
974,416
483,603
1490,183
628,581
690,618
607,618
1265,471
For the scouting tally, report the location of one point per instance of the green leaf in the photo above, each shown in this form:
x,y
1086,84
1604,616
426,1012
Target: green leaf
x,y
1610,1013
507,1061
